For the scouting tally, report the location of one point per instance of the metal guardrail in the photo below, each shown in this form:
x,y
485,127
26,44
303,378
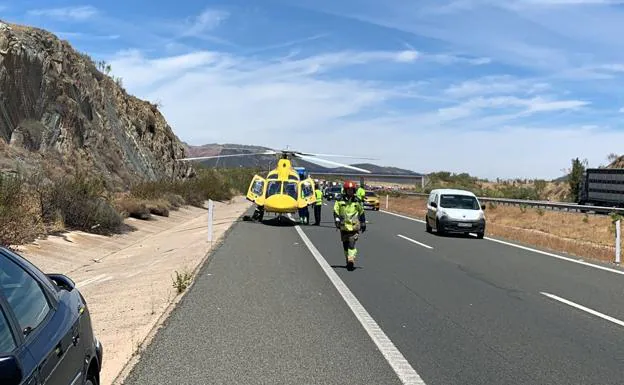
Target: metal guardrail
x,y
542,204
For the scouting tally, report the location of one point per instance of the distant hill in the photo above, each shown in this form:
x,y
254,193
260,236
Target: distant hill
x,y
561,179
266,162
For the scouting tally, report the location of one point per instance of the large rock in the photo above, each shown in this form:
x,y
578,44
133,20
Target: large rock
x,y
56,106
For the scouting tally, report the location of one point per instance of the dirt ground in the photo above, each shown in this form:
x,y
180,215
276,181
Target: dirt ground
x,y
585,236
127,280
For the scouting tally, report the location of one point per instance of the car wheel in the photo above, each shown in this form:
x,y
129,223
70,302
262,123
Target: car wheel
x,y
90,381
439,230
480,235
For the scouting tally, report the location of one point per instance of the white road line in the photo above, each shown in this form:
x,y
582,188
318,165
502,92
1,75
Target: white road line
x,y
402,216
413,241
557,256
99,279
586,309
90,280
399,364
621,272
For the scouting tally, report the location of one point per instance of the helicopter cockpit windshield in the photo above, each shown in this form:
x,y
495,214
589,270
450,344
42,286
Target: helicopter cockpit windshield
x,y
290,188
273,187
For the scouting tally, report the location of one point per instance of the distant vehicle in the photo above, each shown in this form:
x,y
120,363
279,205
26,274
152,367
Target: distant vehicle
x,y
46,336
454,211
602,187
333,193
371,200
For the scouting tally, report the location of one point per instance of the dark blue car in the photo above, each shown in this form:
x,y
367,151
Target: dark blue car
x,y
46,337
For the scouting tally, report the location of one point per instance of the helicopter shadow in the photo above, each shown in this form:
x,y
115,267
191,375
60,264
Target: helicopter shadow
x,y
283,222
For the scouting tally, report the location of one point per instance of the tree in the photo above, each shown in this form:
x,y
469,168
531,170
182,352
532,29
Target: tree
x,y
540,186
576,177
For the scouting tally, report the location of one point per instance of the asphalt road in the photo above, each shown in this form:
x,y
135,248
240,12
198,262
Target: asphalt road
x,y
459,310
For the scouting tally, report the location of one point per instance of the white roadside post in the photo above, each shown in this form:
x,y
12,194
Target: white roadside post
x,y
210,215
617,242
387,197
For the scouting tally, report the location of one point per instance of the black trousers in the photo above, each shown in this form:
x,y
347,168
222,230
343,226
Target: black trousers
x,y
317,214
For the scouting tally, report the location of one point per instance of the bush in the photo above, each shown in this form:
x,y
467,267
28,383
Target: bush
x,y
132,207
176,201
158,207
207,184
31,207
82,204
20,220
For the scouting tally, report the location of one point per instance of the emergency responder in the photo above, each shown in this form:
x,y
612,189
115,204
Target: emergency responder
x,y
304,213
318,205
361,193
350,218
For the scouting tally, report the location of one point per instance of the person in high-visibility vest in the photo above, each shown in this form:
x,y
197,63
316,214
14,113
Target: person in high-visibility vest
x,y
350,219
361,193
319,204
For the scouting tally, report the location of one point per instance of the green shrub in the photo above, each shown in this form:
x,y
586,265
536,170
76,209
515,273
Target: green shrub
x,y
82,203
206,184
20,221
133,207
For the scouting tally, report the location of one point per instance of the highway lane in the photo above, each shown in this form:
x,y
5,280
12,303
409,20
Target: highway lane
x,y
521,269
262,312
471,311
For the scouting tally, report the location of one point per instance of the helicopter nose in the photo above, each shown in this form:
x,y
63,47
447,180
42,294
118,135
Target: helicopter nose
x,y
281,203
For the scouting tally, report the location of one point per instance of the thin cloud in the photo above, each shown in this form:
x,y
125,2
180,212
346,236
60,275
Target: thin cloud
x,y
219,97
79,13
85,36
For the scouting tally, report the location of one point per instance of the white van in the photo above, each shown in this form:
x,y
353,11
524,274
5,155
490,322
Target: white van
x,y
455,211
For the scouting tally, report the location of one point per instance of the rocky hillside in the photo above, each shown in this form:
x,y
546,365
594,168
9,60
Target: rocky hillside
x,y
58,109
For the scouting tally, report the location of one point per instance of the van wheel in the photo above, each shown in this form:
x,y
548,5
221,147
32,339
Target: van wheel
x,y
439,230
427,227
480,235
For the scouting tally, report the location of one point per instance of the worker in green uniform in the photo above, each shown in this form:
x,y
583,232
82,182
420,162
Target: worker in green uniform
x,y
361,193
319,204
350,219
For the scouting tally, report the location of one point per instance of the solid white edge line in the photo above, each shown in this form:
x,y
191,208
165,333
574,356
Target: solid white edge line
x,y
395,358
527,248
586,309
413,241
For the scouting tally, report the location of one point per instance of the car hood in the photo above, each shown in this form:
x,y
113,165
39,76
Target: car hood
x,y
462,214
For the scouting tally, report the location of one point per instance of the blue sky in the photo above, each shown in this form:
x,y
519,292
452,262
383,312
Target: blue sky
x,y
512,88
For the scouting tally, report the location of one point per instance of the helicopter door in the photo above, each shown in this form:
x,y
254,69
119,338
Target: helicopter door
x,y
307,192
256,190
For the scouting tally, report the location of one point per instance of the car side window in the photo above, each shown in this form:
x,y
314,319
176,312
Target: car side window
x,y
7,342
24,295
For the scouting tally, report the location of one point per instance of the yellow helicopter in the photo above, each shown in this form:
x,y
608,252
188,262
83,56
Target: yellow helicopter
x,y
285,189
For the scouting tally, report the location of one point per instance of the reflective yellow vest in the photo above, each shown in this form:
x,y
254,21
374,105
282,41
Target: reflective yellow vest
x,y
361,193
319,197
351,212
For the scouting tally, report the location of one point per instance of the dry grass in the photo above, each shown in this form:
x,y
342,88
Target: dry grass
x,y
159,207
142,208
586,236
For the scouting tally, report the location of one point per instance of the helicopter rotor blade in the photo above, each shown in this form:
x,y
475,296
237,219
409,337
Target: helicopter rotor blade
x,y
319,160
268,152
333,155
